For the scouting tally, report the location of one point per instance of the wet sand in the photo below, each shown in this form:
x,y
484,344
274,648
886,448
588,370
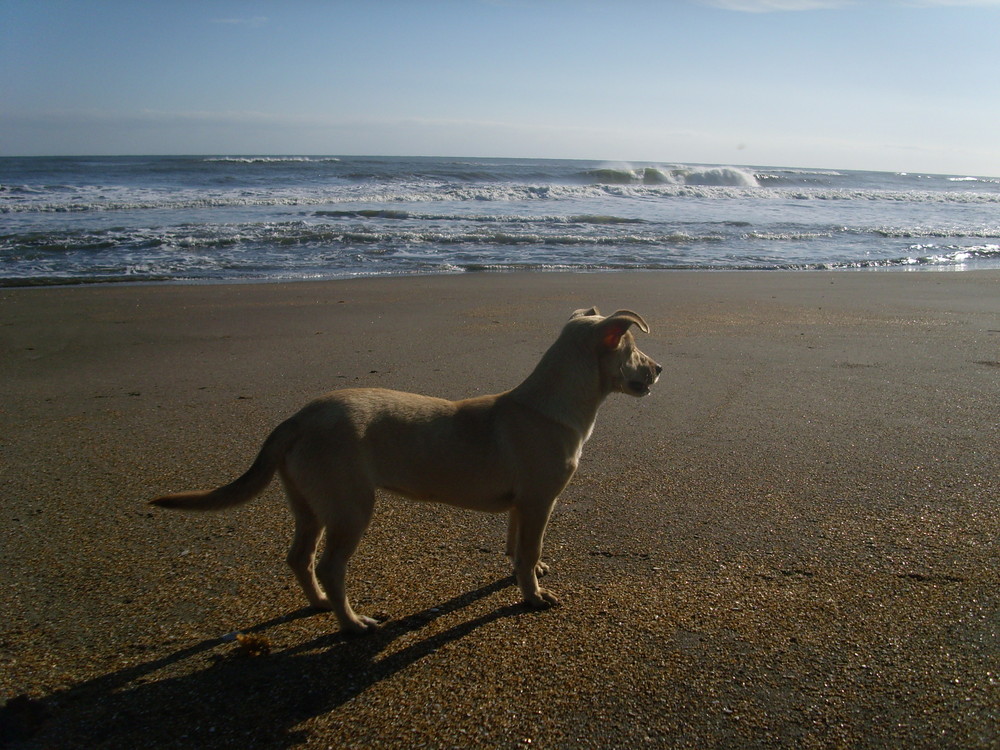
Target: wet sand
x,y
792,542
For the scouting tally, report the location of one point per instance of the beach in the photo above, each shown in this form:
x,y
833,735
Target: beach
x,y
791,542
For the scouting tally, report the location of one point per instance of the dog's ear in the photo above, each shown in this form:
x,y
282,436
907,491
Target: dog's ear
x,y
613,327
584,313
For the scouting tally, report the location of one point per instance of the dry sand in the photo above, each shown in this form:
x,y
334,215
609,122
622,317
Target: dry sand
x,y
791,543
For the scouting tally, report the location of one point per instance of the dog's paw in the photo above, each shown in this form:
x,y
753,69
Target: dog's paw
x,y
542,600
360,626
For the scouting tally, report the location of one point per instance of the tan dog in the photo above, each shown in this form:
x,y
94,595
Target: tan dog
x,y
512,452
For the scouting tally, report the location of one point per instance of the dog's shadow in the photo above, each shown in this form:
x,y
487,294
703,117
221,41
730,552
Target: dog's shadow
x,y
258,699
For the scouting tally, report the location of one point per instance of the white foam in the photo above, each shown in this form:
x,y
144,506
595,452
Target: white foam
x,y
270,159
709,183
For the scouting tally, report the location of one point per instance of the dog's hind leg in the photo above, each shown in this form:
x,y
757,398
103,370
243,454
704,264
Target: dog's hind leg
x,y
302,555
346,518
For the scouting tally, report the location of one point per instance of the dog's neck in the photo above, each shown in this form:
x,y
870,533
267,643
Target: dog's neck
x,y
565,391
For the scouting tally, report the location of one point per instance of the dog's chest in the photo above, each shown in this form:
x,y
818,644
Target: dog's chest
x,y
579,446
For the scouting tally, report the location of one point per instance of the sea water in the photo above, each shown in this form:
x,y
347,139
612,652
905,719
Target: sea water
x,y
217,219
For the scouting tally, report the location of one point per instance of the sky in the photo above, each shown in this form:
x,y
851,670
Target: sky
x,y
898,85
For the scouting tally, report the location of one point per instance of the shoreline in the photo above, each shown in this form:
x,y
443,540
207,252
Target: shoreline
x,y
791,542
124,281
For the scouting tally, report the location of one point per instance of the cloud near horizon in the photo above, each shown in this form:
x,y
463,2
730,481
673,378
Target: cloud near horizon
x,y
780,6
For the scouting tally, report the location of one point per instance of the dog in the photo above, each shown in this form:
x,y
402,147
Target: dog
x,y
512,452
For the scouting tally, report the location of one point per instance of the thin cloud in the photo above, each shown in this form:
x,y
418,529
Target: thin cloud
x,y
777,6
254,22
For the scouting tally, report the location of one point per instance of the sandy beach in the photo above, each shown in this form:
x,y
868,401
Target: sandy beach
x,y
792,542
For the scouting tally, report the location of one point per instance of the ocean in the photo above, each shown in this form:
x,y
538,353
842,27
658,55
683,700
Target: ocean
x,y
74,220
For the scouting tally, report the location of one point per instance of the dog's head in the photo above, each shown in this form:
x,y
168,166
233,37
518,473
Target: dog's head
x,y
623,368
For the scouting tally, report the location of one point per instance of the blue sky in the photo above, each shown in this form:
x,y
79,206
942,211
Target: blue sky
x,y
905,85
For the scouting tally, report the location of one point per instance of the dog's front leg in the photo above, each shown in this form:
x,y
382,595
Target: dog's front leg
x,y
525,533
511,550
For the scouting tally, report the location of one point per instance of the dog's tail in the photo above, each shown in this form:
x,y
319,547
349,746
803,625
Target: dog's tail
x,y
248,486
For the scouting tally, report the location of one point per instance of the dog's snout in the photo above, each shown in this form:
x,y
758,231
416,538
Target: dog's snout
x,y
659,369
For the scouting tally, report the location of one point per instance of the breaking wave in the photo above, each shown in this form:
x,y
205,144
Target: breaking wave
x,y
700,176
270,159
